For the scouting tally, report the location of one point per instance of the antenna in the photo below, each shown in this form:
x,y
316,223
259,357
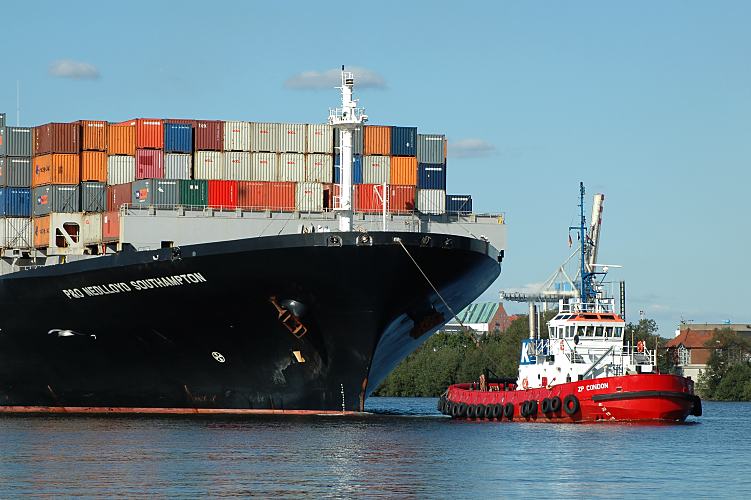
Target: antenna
x,y
18,103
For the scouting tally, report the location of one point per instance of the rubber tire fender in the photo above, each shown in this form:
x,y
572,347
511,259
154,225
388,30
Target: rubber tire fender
x,y
497,412
441,403
489,412
555,404
462,410
545,406
508,411
523,409
571,404
471,409
480,411
532,408
454,410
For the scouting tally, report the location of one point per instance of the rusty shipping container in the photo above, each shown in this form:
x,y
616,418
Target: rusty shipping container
x,y
237,166
237,136
265,137
56,138
376,140
281,196
320,138
55,169
93,135
223,194
319,168
309,197
178,166
292,137
376,169
209,135
118,195
263,167
149,164
208,165
121,140
19,141
111,226
403,170
291,167
121,169
56,198
93,196
253,195
94,166
15,172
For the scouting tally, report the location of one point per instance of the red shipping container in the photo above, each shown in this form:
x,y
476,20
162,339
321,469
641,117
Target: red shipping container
x,y
223,194
111,226
93,135
282,196
331,194
401,199
209,135
120,194
253,195
56,138
149,132
149,164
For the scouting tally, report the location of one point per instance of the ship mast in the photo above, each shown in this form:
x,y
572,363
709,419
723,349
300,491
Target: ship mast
x,y
346,120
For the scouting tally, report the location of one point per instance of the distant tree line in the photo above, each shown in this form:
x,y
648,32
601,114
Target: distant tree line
x,y
728,373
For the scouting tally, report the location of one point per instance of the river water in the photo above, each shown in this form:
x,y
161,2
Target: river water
x,y
404,449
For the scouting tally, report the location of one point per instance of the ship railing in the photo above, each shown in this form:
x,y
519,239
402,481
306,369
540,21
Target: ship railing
x,y
603,306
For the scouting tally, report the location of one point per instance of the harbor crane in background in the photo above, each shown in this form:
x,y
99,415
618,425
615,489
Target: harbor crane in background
x,y
560,285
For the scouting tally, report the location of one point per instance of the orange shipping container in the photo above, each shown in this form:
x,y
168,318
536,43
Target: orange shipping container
x,y
111,226
404,170
149,132
377,140
121,140
42,231
93,135
94,166
55,169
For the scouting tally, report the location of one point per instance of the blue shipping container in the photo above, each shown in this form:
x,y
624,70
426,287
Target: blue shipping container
x,y
459,203
403,141
178,137
431,176
356,169
15,202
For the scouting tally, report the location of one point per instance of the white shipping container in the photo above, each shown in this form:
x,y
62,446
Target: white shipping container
x,y
320,138
208,165
376,169
309,197
65,224
265,137
237,136
16,232
178,166
91,229
263,167
292,167
237,166
292,137
431,201
121,169
319,168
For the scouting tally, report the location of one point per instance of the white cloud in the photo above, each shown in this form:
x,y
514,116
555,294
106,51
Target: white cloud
x,y
317,80
67,68
470,148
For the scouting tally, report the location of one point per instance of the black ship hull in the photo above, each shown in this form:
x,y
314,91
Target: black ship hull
x,y
309,322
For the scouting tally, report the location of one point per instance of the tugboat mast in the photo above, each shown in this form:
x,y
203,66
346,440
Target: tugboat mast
x,y
346,119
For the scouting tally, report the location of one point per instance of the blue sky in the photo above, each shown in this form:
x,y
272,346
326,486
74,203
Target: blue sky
x,y
648,102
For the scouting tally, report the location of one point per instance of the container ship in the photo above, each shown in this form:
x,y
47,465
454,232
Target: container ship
x,y
206,266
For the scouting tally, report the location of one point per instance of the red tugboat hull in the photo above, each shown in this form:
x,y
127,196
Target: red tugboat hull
x,y
629,398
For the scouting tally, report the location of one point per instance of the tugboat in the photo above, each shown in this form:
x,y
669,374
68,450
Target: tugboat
x,y
585,371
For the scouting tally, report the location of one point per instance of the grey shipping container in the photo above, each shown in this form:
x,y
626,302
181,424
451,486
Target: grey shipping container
x,y
292,167
18,141
64,198
2,141
431,201
18,232
319,168
292,137
178,166
263,167
208,165
309,197
237,166
265,137
237,136
93,196
376,169
15,172
121,169
2,119
156,192
431,148
320,138
356,142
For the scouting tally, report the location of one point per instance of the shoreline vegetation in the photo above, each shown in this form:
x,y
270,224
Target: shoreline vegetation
x,y
451,358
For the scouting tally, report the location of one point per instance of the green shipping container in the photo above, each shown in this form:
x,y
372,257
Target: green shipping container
x,y
194,192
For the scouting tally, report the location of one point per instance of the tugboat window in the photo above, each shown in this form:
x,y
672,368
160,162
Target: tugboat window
x,y
581,330
608,331
618,331
598,331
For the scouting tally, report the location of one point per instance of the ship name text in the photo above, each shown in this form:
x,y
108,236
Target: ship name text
x,y
134,285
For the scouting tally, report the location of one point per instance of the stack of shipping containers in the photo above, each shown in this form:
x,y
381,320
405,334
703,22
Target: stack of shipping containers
x,y
15,183
431,173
